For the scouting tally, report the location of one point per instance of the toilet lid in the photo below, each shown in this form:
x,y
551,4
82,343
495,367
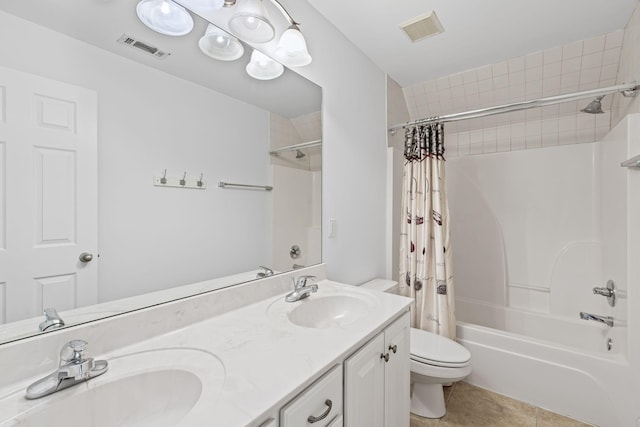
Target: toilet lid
x,y
437,350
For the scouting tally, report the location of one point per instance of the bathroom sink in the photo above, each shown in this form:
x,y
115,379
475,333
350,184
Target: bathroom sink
x,y
166,387
329,311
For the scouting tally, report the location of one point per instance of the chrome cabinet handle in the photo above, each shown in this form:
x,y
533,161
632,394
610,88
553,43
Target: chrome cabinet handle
x,y
322,416
385,356
85,257
393,348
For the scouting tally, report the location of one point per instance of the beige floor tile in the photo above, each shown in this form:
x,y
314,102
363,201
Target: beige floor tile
x,y
447,392
470,406
550,419
417,421
473,406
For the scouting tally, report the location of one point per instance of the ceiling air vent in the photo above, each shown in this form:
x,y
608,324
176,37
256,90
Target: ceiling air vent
x,y
145,47
423,26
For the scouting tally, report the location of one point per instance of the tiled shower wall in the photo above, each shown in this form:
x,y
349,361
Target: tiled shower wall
x,y
285,132
578,66
629,69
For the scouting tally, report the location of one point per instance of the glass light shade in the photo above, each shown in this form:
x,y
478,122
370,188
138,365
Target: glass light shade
x,y
165,17
250,22
203,4
217,44
262,67
292,48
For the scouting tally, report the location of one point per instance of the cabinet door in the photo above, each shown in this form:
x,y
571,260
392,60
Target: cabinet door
x,y
397,373
364,386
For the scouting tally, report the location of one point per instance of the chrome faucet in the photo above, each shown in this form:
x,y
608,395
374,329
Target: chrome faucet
x,y
266,272
301,290
73,369
607,320
52,320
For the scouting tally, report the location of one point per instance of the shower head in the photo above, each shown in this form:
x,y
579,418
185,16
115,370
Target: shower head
x,y
594,107
299,154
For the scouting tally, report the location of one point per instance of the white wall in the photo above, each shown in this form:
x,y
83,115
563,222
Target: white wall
x,y
354,149
152,238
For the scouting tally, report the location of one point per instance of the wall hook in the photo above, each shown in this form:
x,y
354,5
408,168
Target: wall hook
x,y
183,181
199,182
163,180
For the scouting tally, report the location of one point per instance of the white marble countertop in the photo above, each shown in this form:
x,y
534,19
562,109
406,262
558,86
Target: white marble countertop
x,y
261,359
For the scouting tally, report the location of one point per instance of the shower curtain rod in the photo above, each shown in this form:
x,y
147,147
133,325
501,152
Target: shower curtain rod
x,y
628,89
297,146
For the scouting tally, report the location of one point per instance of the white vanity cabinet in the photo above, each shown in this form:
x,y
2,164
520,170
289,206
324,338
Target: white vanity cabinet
x,y
320,405
377,380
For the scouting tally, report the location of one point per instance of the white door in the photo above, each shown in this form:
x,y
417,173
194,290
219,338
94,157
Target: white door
x,y
364,386
397,374
48,195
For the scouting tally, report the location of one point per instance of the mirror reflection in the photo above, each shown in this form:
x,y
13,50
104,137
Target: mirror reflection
x,y
112,159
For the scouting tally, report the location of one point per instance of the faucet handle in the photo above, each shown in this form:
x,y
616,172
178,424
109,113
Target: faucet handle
x,y
73,352
302,281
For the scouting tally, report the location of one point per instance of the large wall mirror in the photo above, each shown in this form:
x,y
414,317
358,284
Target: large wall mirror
x,y
95,139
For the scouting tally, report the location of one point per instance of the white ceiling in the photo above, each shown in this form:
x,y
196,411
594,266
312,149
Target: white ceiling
x,y
477,32
102,22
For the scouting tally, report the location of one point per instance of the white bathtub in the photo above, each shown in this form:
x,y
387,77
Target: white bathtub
x,y
556,363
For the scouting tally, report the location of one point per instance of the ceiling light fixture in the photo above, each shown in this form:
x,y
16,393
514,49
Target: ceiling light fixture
x,y
292,48
251,23
165,17
207,5
262,67
217,44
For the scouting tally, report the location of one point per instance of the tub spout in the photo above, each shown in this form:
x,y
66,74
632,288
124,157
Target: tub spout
x,y
607,320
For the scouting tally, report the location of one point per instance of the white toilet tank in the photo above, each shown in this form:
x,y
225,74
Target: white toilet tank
x,y
382,285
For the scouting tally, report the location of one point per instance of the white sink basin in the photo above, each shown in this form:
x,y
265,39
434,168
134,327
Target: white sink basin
x,y
328,311
166,387
331,307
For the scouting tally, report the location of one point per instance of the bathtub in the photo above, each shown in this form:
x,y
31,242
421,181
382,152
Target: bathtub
x,y
557,363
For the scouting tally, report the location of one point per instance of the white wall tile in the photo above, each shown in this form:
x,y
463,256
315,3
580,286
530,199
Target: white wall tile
x,y
516,64
484,73
499,69
442,83
573,50
553,54
582,65
571,65
614,39
533,60
469,76
611,56
552,69
594,44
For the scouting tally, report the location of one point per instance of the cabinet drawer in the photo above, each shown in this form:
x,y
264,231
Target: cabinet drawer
x,y
323,399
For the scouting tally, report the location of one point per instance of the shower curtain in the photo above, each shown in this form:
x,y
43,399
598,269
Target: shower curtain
x,y
425,244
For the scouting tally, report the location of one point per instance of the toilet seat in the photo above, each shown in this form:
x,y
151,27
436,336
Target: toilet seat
x,y
436,350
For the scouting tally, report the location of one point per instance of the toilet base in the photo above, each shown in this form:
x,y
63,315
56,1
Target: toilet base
x,y
427,400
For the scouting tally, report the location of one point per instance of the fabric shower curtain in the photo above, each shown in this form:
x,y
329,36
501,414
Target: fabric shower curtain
x,y
425,244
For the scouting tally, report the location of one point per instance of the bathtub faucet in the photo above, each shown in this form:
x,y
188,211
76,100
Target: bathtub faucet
x,y
607,320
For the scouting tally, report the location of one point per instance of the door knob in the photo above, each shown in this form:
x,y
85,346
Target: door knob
x,y
85,257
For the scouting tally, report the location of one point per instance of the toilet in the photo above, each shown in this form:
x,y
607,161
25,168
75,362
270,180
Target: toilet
x,y
435,360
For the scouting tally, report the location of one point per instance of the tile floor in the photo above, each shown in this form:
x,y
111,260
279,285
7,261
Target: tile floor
x,y
468,405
